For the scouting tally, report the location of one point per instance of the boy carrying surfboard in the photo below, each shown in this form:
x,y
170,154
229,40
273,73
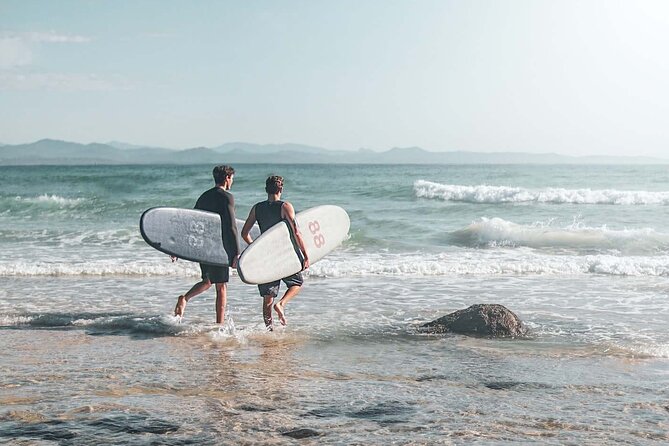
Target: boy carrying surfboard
x,y
217,199
268,213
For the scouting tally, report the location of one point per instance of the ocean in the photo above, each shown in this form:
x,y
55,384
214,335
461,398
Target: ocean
x,y
91,353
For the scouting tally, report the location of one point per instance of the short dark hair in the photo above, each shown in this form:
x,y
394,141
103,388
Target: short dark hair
x,y
274,184
222,172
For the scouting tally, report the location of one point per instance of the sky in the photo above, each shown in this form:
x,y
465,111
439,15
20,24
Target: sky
x,y
575,77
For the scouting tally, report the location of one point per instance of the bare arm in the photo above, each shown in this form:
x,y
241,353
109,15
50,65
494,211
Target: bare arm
x,y
233,228
248,225
288,213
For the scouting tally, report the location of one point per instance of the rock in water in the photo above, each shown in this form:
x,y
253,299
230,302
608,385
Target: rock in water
x,y
481,320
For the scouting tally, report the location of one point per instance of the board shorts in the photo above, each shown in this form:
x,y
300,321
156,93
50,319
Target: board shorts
x,y
272,288
215,274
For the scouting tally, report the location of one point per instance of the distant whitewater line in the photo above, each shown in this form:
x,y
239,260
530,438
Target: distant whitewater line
x,y
100,268
481,262
494,264
503,194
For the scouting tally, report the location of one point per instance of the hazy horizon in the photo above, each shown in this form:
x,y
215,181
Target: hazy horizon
x,y
575,78
49,151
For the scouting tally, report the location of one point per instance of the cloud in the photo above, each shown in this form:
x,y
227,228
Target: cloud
x,y
52,37
14,53
16,48
62,82
44,37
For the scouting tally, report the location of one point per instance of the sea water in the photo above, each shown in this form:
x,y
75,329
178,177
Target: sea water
x,y
91,353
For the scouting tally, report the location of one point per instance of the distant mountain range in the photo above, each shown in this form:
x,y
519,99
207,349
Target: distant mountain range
x,y
49,151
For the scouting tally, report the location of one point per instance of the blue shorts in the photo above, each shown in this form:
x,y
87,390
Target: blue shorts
x,y
215,274
272,288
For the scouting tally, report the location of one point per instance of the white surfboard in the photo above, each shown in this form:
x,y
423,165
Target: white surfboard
x,y
275,254
188,234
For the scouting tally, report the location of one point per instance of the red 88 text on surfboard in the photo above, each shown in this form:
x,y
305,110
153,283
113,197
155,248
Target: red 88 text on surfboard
x,y
315,228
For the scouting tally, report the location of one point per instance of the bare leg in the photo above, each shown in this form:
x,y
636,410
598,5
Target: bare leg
x,y
184,298
181,306
280,306
221,300
267,311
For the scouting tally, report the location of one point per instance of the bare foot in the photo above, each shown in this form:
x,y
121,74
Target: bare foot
x,y
181,306
279,311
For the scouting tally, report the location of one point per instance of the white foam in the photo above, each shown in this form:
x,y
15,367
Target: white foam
x,y
51,199
628,266
653,351
10,321
503,194
498,261
491,264
99,268
129,323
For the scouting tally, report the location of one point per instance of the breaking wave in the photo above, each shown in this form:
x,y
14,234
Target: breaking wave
x,y
504,194
492,232
99,268
492,263
481,262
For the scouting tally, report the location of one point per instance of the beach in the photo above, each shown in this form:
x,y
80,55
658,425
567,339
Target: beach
x,y
93,355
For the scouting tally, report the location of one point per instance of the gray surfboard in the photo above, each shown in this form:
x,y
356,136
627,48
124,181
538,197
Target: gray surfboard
x,y
188,234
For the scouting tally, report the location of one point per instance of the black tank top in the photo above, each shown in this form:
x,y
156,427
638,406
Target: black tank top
x,y
268,213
